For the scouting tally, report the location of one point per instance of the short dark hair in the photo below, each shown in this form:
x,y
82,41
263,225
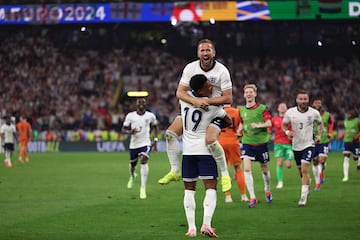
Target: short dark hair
x,y
197,82
302,91
205,40
317,98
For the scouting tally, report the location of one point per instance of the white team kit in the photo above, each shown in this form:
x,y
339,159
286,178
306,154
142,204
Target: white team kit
x,y
141,123
195,122
302,124
219,76
8,131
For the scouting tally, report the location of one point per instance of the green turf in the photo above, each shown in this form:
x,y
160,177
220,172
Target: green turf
x,y
84,196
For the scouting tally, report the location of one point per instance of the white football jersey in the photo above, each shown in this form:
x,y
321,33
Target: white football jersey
x,y
142,123
302,124
8,131
219,76
195,122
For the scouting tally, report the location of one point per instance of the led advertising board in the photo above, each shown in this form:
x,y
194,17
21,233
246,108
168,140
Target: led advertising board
x,y
179,11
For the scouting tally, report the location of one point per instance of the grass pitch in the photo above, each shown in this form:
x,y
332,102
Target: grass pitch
x,y
84,196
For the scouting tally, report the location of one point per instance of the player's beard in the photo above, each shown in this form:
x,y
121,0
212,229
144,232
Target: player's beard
x,y
303,106
206,62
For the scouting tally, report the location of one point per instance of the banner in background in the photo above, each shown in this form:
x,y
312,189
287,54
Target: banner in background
x,y
314,9
42,146
193,11
108,146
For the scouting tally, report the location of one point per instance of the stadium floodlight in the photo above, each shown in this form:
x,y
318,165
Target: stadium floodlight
x,y
138,93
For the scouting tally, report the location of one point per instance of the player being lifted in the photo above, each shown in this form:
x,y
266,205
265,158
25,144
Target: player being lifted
x,y
197,162
219,77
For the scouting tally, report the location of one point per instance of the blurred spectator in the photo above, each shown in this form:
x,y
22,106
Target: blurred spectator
x,y
65,86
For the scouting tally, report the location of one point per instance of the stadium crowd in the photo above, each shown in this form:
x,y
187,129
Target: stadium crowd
x,y
71,87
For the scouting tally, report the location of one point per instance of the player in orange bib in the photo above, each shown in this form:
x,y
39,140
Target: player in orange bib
x,y
25,133
229,140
